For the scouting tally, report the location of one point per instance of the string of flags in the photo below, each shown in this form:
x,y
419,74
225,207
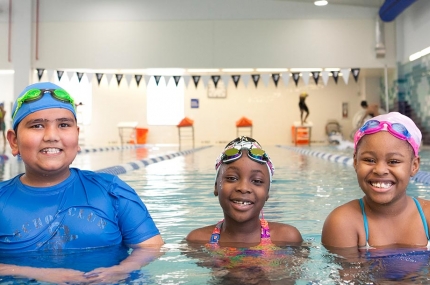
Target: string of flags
x,y
256,78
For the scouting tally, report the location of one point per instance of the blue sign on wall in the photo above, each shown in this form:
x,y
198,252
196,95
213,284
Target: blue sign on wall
x,y
194,103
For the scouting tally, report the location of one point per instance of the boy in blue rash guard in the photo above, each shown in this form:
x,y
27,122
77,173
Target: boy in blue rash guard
x,y
52,207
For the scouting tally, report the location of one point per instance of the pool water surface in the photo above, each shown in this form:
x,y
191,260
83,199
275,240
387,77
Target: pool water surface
x,y
179,195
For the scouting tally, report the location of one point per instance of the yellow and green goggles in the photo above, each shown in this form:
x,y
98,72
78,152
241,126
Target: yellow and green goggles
x,y
36,94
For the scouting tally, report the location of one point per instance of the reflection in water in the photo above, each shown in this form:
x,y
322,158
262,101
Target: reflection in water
x,y
246,266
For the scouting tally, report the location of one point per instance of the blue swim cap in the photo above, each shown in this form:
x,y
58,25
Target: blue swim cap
x,y
46,101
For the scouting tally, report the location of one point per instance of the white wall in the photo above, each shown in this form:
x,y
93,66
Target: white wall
x,y
413,27
272,110
135,34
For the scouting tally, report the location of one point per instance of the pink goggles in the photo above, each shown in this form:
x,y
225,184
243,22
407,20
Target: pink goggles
x,y
396,129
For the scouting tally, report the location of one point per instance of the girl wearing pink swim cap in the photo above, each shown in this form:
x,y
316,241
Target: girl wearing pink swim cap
x,y
385,158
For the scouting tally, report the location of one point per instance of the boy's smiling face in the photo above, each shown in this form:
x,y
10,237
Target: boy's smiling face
x,y
47,141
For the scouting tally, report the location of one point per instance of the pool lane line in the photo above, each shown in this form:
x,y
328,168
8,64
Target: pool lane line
x,y
108,148
324,155
130,166
420,177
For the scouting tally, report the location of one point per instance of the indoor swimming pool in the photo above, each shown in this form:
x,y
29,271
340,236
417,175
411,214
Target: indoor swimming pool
x,y
179,194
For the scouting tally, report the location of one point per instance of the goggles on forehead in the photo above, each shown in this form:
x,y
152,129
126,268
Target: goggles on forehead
x,y
36,94
396,129
234,151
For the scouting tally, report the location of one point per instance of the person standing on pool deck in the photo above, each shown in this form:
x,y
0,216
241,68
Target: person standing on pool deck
x,y
304,110
244,174
385,158
54,208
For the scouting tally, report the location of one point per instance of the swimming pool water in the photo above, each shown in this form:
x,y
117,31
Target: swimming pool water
x,y
179,195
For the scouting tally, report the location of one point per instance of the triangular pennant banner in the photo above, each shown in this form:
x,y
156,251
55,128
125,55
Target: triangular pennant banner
x,y
235,79
225,79
196,79
187,79
316,76
335,75
296,77
157,79
60,74
99,77
118,78
276,78
245,79
176,79
40,73
286,78
205,80
167,79
255,78
215,79
265,77
305,77
355,73
345,74
79,75
325,75
138,78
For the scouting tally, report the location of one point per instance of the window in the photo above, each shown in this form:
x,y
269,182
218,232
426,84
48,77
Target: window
x,y
165,102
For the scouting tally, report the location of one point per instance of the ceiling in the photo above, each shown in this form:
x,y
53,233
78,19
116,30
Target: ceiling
x,y
362,3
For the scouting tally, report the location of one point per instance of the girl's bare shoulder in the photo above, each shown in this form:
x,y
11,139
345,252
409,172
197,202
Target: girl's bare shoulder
x,y
280,232
201,235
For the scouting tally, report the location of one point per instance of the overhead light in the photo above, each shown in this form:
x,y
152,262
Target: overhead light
x,y
419,54
321,3
200,70
237,69
7,71
271,69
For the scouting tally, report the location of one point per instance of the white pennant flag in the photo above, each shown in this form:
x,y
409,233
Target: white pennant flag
x,y
70,75
345,74
265,77
89,77
226,80
205,79
325,76
305,77
245,79
128,78
147,79
285,78
167,79
187,79
109,77
49,73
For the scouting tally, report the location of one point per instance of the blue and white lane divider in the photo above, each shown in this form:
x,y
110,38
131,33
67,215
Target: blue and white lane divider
x,y
420,177
107,148
324,155
130,166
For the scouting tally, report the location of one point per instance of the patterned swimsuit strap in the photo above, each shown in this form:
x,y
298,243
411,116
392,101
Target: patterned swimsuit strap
x,y
265,231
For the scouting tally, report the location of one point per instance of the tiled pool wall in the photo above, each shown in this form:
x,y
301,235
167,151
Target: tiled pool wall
x,y
413,93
